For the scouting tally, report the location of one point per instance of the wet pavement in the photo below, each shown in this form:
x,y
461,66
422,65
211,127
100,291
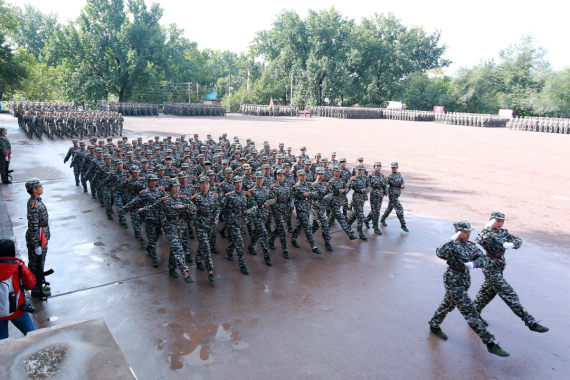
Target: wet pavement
x,y
360,311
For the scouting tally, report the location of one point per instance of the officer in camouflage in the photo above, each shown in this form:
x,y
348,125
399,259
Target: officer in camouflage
x,y
360,185
396,183
496,240
379,190
303,193
319,206
280,210
264,198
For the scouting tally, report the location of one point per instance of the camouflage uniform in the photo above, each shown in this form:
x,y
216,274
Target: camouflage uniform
x,y
207,211
319,206
360,185
77,161
133,187
335,204
492,241
261,195
303,208
457,281
235,206
103,189
396,183
116,181
38,220
283,194
379,190
71,154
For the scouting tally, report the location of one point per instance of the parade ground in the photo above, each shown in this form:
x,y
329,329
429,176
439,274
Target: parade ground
x,y
361,311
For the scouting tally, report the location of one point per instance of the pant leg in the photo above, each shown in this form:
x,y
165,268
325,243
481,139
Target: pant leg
x,y
236,239
358,209
374,215
399,210
281,229
76,173
152,229
337,214
467,308
24,323
36,263
136,223
174,234
203,255
388,209
322,222
118,196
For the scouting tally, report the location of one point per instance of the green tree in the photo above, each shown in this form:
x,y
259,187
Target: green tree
x,y
34,29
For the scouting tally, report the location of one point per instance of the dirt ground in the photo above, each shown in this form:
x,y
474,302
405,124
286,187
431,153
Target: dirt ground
x,y
360,311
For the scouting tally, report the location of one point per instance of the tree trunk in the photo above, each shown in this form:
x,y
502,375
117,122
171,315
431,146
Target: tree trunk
x,y
121,95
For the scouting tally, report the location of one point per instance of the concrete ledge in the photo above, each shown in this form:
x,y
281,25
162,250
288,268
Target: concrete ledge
x,y
75,350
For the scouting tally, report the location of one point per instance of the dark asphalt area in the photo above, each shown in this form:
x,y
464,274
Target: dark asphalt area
x,y
360,311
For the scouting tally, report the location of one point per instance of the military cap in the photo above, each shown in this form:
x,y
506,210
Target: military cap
x,y
259,175
182,175
264,158
242,158
138,149
107,156
134,141
194,142
187,149
301,172
143,160
168,137
156,148
173,182
333,153
324,160
463,226
156,137
74,140
219,149
224,134
127,145
169,158
319,170
288,148
359,159
129,154
118,150
109,139
286,164
298,155
139,138
336,168
359,167
168,150
307,162
318,154
279,156
225,162
237,178
203,178
394,164
265,166
118,161
146,144
109,144
377,163
161,143
280,171
246,166
150,140
159,167
303,148
207,162
184,165
254,151
33,184
135,168
98,150
91,147
497,215
203,149
228,170
201,156
152,177
183,136
266,145
93,139
210,172
101,142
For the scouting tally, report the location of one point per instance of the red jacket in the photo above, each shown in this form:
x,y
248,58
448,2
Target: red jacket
x,y
9,267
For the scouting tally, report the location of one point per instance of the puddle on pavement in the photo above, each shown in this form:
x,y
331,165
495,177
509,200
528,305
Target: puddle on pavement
x,y
194,347
45,364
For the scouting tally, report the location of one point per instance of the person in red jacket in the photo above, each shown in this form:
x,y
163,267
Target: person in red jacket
x,y
9,268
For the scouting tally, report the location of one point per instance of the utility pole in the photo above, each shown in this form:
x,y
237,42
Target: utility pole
x,y
230,93
291,99
197,93
189,91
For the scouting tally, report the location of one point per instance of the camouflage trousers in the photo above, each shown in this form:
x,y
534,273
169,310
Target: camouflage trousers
x,y
335,213
204,227
280,227
120,201
175,232
76,173
93,186
84,179
152,230
374,214
394,204
320,220
107,198
236,242
136,223
36,262
357,214
289,217
456,287
495,284
303,224
260,233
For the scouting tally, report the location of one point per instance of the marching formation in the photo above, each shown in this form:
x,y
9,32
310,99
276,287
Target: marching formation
x,y
541,124
191,109
193,189
264,110
129,109
373,113
471,119
64,120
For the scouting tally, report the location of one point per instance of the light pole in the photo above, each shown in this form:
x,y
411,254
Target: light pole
x,y
291,98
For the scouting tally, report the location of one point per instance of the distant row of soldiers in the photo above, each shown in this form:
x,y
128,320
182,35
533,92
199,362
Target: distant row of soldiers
x,y
183,188
408,115
471,119
193,109
265,110
348,112
14,107
129,109
541,124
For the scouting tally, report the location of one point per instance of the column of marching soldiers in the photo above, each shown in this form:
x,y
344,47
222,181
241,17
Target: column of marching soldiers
x,y
64,120
129,109
192,109
182,189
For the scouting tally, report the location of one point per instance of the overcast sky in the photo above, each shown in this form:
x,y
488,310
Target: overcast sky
x,y
471,32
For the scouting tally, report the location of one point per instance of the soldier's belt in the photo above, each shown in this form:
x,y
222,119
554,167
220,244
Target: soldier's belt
x,y
358,191
283,202
204,214
460,270
395,187
377,188
173,217
43,225
496,257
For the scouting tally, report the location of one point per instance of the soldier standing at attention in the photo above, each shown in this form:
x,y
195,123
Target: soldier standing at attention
x,y
5,155
461,256
396,183
37,237
496,240
379,190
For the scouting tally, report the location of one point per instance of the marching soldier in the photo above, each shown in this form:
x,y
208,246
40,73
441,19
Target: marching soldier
x,y
379,190
396,183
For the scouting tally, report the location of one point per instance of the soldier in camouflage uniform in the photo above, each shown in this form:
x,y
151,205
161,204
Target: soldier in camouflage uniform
x,y
396,183
37,237
360,185
235,206
338,188
77,160
93,167
173,207
283,205
379,190
116,180
496,240
319,206
264,198
345,176
71,154
302,194
461,256
207,216
103,189
134,185
151,218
